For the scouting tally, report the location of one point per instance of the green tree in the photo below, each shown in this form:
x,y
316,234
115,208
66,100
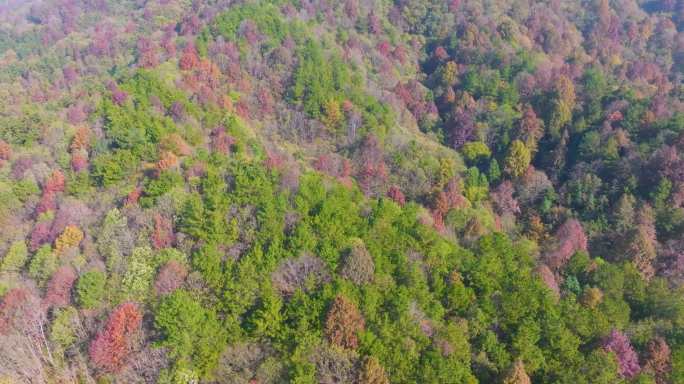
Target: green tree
x,y
563,104
494,171
192,333
43,263
90,289
517,159
111,167
208,261
267,319
63,329
372,372
474,151
139,274
15,257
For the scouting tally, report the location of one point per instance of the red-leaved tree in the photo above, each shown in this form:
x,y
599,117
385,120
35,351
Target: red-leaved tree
x,y
48,202
220,141
396,195
112,345
58,292
54,183
189,60
570,239
163,236
23,342
40,234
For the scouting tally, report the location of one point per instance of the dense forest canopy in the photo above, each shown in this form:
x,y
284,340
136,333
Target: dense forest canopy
x,y
355,191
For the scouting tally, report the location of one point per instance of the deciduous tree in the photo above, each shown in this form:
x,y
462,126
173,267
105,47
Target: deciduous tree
x,y
343,323
628,361
189,60
171,277
71,237
357,264
163,236
58,292
516,374
394,193
563,104
90,289
372,372
15,257
111,347
658,360
293,274
570,238
517,159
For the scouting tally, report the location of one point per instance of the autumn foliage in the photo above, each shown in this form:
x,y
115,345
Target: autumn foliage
x,y
5,151
111,347
171,277
54,183
394,193
59,288
372,372
628,360
658,359
81,140
517,374
343,323
163,236
16,308
71,237
343,191
189,60
570,239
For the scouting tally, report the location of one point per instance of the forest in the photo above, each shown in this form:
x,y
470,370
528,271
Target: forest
x,y
342,191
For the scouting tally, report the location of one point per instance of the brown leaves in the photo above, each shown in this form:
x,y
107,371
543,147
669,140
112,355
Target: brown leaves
x,y
81,139
517,374
5,151
171,277
658,359
343,323
357,264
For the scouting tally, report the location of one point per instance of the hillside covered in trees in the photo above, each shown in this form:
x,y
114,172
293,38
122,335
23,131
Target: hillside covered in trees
x,y
354,191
